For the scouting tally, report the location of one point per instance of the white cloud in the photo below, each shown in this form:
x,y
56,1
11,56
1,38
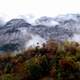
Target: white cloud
x,y
12,8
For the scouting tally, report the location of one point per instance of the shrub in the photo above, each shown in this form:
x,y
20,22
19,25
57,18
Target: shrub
x,y
7,77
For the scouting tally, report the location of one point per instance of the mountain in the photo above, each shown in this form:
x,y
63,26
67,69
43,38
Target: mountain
x,y
14,33
19,34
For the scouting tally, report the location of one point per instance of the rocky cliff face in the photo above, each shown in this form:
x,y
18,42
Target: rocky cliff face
x,y
18,33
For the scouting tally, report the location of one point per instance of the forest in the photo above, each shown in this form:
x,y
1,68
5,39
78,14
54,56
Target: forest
x,y
53,61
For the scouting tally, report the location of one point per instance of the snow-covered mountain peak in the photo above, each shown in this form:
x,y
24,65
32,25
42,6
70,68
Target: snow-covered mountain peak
x,y
46,21
22,32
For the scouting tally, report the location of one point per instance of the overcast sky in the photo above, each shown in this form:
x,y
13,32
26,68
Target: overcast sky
x,y
13,8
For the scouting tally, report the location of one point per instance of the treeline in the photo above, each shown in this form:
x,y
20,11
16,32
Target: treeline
x,y
53,61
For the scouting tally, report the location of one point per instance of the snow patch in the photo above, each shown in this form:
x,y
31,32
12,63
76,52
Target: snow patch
x,y
76,37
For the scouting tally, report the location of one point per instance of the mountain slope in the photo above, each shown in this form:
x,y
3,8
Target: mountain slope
x,y
20,33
